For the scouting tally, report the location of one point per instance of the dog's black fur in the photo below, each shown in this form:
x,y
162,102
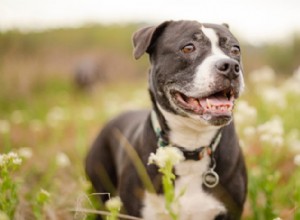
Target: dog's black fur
x,y
110,167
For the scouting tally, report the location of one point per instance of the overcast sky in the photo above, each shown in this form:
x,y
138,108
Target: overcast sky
x,y
254,20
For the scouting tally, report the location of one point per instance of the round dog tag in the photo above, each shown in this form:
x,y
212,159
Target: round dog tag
x,y
210,179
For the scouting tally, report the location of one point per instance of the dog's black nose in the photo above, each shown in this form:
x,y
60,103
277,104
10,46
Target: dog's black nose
x,y
228,67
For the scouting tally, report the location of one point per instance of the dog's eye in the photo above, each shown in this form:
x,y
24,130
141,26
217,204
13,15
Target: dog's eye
x,y
235,51
188,48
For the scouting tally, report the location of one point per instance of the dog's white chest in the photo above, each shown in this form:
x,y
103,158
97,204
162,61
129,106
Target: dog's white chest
x,y
193,204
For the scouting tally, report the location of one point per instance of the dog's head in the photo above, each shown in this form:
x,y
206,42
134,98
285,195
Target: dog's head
x,y
196,69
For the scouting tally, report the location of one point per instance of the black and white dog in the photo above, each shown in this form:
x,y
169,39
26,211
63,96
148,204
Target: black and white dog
x,y
195,77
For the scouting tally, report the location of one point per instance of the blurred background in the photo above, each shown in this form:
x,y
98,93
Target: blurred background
x,y
66,67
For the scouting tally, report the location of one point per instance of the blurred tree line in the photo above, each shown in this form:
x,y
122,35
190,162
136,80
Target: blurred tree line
x,y
73,39
284,58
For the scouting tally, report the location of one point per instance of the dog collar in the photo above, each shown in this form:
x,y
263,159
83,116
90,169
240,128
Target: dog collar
x,y
210,177
196,154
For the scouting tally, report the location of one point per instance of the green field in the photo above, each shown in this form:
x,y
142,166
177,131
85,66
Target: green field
x,y
51,123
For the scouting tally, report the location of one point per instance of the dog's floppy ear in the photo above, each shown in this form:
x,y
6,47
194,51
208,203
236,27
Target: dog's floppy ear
x,y
226,25
144,38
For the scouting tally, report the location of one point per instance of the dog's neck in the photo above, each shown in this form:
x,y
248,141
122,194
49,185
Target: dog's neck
x,y
187,133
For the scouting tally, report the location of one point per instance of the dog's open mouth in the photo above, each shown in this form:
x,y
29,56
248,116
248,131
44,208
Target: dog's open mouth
x,y
219,103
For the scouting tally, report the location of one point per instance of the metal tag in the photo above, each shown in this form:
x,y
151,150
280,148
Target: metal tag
x,y
210,178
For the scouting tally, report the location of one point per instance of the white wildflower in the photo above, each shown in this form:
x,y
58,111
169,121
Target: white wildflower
x,y
274,96
293,140
4,127
244,113
62,160
278,218
291,85
17,161
12,155
25,152
55,116
262,76
45,193
114,203
274,127
297,160
278,141
42,197
10,158
249,131
272,131
164,155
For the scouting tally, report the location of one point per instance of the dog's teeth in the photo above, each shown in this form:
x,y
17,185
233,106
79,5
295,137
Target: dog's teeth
x,y
208,103
231,96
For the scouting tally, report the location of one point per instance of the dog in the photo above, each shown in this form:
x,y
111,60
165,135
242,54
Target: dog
x,y
194,79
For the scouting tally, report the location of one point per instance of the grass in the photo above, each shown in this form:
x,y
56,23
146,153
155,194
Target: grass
x,y
49,125
41,110
60,120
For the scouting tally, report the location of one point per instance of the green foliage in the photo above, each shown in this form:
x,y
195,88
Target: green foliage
x,y
41,110
165,158
271,143
114,206
41,199
262,187
9,163
168,187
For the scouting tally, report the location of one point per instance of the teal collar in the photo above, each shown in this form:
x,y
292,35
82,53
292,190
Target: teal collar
x,y
210,177
161,142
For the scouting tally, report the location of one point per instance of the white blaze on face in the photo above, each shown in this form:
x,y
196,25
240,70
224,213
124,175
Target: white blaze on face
x,y
205,74
213,37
